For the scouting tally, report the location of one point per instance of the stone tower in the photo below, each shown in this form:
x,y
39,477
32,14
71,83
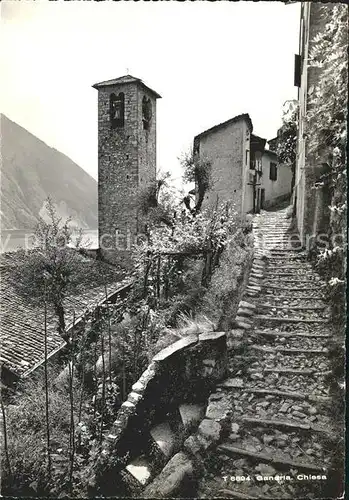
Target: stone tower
x,y
126,161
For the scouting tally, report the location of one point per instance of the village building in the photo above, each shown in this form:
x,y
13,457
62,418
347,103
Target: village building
x,y
243,171
126,162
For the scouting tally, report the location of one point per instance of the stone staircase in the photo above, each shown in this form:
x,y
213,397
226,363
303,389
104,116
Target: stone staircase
x,y
165,438
280,442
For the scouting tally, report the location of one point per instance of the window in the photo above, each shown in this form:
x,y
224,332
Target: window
x,y
247,153
273,173
117,110
146,113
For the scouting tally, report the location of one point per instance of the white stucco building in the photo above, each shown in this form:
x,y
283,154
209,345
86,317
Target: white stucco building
x,y
244,172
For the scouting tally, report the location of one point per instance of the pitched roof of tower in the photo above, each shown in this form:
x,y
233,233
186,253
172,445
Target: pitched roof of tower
x,y
244,116
125,79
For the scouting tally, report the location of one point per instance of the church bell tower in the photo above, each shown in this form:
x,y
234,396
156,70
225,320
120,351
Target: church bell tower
x,y
126,162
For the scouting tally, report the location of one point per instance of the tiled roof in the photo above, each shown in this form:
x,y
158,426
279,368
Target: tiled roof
x,y
122,80
257,142
274,139
22,320
244,116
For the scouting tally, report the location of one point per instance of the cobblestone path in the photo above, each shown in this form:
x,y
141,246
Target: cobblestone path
x,y
280,436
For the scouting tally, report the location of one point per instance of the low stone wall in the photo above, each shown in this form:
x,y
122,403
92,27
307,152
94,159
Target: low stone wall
x,y
186,371
185,468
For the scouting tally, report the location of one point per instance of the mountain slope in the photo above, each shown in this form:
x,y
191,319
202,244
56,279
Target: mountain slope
x,y
31,171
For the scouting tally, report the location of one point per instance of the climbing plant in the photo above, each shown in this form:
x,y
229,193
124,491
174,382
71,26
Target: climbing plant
x,y
286,148
327,112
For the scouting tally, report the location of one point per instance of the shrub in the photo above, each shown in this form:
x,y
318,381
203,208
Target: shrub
x,y
221,299
26,435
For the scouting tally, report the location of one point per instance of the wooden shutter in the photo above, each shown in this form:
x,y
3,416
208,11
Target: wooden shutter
x,y
297,70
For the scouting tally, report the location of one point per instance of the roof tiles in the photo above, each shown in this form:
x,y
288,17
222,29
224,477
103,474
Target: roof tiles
x,y
22,320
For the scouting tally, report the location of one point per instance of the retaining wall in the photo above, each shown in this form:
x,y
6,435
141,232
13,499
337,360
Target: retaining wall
x,y
186,371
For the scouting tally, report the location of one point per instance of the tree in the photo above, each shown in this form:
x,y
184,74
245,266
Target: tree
x,y
286,147
197,170
53,269
156,200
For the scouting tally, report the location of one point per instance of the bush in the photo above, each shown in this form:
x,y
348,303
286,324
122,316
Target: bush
x,y
26,437
223,295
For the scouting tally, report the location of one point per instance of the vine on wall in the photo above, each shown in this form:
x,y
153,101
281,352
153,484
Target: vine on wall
x,y
327,116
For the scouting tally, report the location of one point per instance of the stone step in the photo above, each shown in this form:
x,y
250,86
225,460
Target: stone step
x,y
303,294
164,437
285,277
273,226
275,259
287,257
288,394
287,343
279,279
285,251
292,350
282,240
309,274
191,413
289,424
240,386
279,246
247,305
140,468
291,289
293,308
292,334
265,232
275,319
233,493
232,451
279,232
304,265
275,262
293,371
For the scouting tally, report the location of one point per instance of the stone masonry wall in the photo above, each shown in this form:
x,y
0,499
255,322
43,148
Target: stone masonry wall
x,y
185,371
126,160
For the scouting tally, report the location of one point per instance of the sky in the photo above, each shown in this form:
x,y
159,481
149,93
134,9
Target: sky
x,y
209,61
